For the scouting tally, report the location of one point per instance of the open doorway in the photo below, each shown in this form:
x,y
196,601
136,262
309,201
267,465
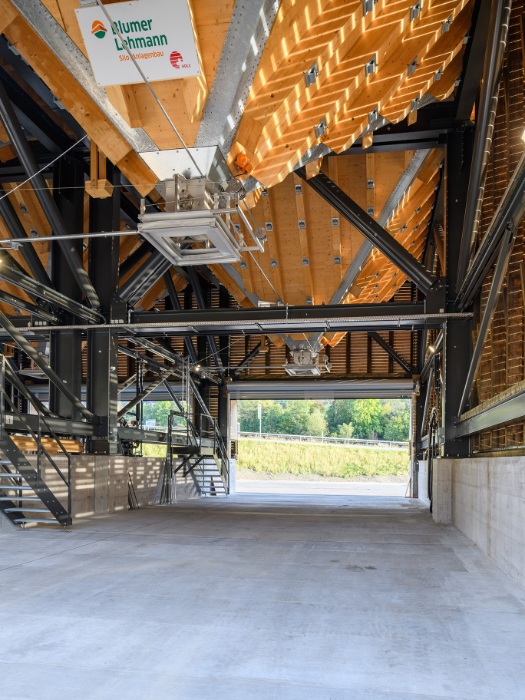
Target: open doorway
x,y
329,446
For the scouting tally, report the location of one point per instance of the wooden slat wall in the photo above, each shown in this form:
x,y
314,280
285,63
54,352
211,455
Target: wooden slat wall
x,y
502,362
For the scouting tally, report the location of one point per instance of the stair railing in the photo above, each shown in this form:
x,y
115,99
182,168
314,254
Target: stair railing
x,y
37,437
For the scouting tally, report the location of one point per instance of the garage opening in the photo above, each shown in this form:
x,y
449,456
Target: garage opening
x,y
353,446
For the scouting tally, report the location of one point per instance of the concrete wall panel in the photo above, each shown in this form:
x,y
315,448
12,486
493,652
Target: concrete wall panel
x,y
485,499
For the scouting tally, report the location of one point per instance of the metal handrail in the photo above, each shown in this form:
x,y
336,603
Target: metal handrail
x,y
324,439
37,438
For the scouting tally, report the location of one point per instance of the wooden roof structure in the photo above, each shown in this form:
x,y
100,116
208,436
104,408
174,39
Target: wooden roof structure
x,y
417,59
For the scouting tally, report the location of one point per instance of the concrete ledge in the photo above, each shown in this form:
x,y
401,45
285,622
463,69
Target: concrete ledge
x,y
442,491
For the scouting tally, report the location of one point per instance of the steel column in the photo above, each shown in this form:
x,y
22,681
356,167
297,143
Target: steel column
x,y
457,344
473,64
66,346
201,303
375,233
485,116
44,196
174,299
102,373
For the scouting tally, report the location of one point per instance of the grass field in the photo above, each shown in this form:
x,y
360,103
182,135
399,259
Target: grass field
x,y
335,461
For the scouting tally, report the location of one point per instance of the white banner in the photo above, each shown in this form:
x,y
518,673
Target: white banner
x,y
159,34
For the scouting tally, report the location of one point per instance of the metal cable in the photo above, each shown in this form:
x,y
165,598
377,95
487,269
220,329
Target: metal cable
x,y
45,167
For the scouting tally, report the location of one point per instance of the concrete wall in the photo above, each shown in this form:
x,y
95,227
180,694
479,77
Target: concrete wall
x,y
485,499
100,482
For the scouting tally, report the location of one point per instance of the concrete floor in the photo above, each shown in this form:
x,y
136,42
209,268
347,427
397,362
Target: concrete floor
x,y
321,487
258,597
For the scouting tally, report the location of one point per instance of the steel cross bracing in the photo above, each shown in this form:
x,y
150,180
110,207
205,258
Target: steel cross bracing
x,y
370,228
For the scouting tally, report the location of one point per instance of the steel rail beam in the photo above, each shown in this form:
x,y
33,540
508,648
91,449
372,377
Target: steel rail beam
x,y
48,294
509,408
32,309
486,115
24,390
373,231
44,197
162,267
129,381
30,351
143,394
391,352
16,230
510,212
141,276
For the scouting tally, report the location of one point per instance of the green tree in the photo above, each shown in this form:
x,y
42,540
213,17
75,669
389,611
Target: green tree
x,y
345,430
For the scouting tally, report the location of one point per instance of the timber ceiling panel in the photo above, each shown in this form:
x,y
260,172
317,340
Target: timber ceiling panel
x,y
309,248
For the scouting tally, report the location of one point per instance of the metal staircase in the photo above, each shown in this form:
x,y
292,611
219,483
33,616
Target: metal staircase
x,y
199,453
25,498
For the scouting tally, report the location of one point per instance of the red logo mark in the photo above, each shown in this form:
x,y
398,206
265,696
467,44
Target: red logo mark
x,y
175,59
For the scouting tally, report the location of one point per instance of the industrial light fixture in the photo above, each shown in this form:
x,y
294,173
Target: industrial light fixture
x,y
306,363
523,135
197,226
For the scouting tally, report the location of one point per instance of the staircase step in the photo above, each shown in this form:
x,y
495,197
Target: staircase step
x,y
26,510
42,521
19,498
14,487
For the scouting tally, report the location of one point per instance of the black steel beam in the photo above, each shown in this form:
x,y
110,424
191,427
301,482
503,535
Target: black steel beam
x,y
141,276
486,115
473,63
136,257
509,213
44,196
65,347
174,299
144,393
102,375
391,352
154,276
507,410
47,294
32,309
16,230
490,307
457,344
201,303
30,351
375,233
25,73
248,359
